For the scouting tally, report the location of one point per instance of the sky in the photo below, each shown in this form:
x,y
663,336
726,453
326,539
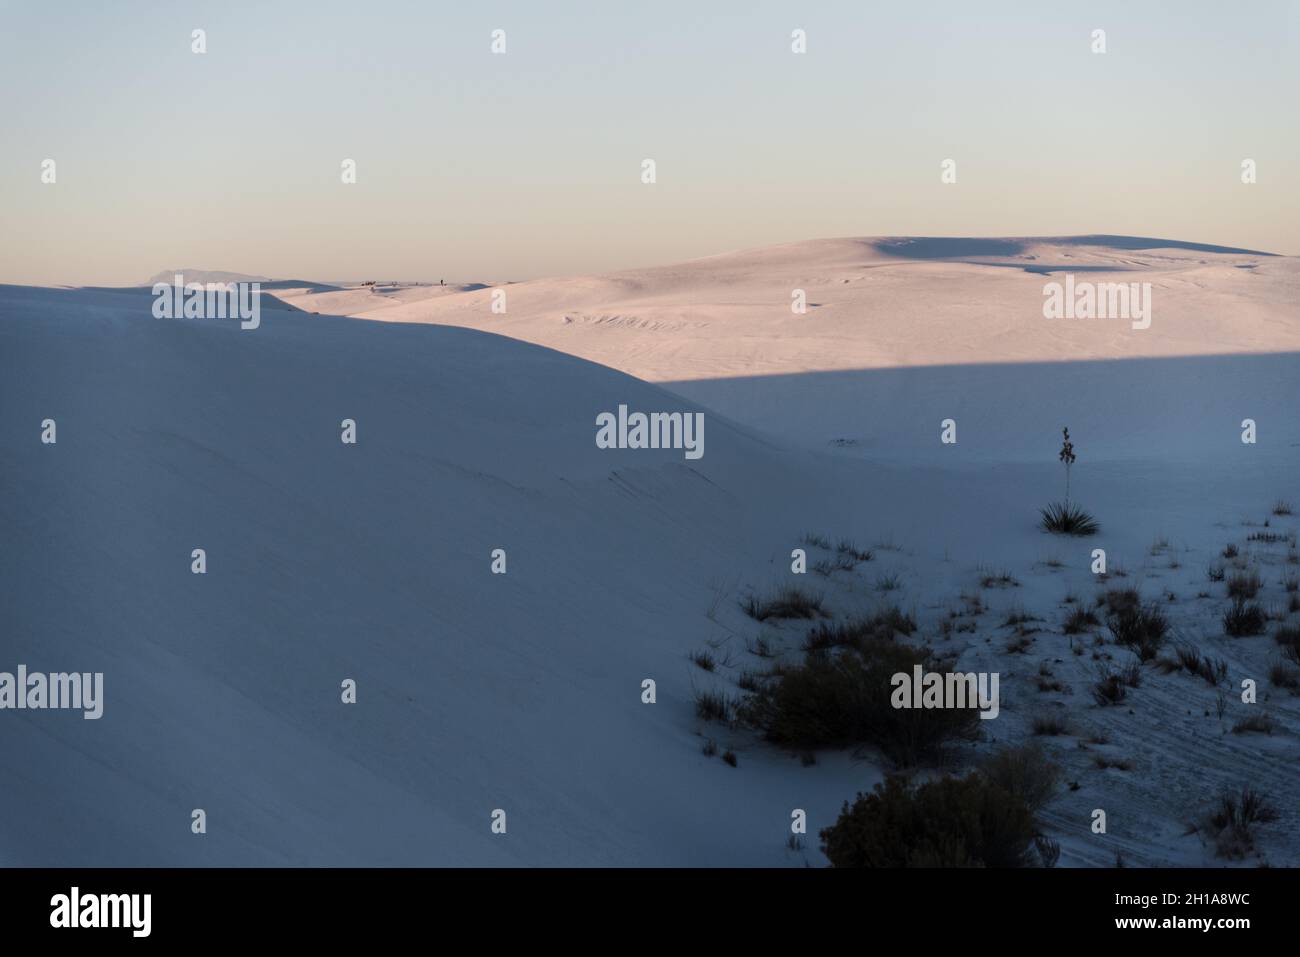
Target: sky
x,y
474,166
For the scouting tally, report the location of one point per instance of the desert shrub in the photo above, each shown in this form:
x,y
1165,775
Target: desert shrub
x,y
844,698
1081,619
817,541
1230,550
891,582
1232,820
1142,628
949,822
1066,518
1281,507
1243,619
730,758
1025,773
789,602
1243,585
1215,573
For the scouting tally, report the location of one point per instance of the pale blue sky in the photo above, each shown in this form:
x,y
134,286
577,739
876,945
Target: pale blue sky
x,y
479,166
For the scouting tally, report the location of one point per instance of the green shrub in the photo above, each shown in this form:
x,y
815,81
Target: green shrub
x,y
842,699
949,822
1025,773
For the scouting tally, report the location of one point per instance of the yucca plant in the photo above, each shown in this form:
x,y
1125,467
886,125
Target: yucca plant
x,y
1063,518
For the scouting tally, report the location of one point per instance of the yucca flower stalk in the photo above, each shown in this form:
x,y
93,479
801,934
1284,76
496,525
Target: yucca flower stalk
x,y
1067,457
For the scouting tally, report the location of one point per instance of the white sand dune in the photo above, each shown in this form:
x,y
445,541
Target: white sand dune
x,y
522,691
886,303
721,329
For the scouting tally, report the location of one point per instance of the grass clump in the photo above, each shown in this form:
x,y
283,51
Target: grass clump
x,y
1268,538
883,625
1111,686
1283,675
1233,820
714,706
1261,723
849,549
1214,671
998,579
1121,599
1243,619
788,602
1243,585
1050,724
703,659
1142,628
1080,620
1120,764
1287,635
